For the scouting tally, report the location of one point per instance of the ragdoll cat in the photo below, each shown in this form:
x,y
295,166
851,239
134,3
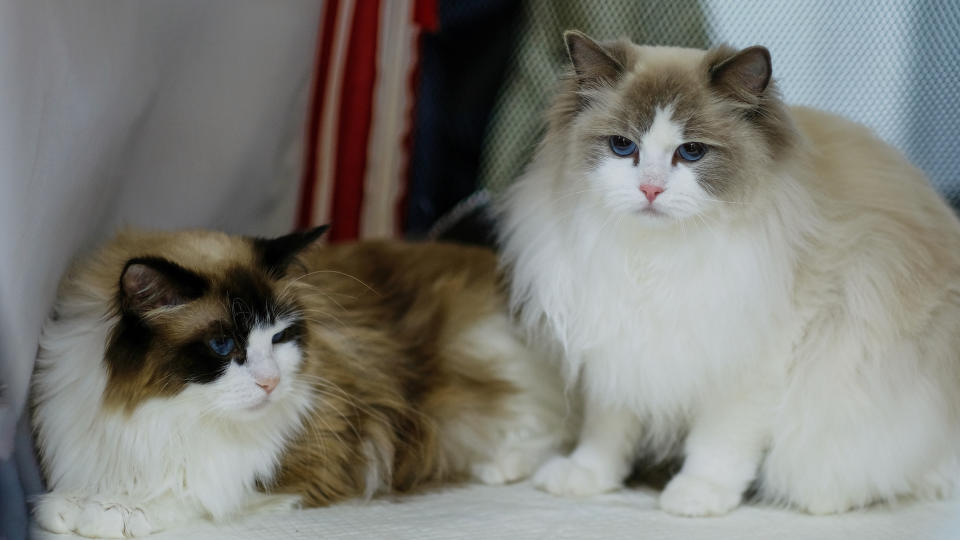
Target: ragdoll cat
x,y
183,374
769,292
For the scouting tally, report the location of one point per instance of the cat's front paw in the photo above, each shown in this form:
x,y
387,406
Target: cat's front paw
x,y
91,518
111,520
687,495
568,477
56,513
506,468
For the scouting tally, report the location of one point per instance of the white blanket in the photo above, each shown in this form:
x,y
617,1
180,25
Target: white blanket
x,y
521,512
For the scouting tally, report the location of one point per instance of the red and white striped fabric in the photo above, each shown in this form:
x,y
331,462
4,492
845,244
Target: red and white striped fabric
x,y
361,116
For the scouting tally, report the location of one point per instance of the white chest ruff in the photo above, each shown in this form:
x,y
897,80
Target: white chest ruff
x,y
657,326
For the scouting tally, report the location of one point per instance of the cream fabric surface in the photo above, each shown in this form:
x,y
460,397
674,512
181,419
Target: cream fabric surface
x,y
520,512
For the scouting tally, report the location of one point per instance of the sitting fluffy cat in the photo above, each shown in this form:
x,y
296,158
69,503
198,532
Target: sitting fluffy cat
x,y
183,374
770,292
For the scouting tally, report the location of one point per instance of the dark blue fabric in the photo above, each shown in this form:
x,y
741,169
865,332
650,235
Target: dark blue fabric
x,y
19,479
13,509
461,68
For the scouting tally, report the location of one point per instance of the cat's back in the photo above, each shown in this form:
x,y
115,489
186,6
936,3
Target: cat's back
x,y
855,169
394,267
405,289
883,232
386,259
868,188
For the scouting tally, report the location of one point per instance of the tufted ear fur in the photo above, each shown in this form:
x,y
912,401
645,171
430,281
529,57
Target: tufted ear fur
x,y
276,254
149,283
591,61
744,76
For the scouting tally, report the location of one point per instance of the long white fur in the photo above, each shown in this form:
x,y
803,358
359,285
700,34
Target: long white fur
x,y
533,423
831,378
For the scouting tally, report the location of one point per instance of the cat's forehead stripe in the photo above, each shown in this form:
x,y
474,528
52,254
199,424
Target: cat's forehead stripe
x,y
663,133
648,92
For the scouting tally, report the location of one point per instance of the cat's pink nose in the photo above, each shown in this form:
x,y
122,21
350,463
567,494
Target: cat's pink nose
x,y
268,383
651,191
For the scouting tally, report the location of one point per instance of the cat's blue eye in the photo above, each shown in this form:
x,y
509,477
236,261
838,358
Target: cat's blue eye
x,y
221,345
281,336
691,151
622,146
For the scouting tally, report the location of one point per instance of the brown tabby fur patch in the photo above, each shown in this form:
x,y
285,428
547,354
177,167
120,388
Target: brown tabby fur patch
x,y
383,326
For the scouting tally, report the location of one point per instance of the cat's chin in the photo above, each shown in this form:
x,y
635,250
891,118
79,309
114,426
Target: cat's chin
x,y
653,212
254,412
650,216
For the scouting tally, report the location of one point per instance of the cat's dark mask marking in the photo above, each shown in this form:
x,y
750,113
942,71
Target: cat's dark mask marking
x,y
250,298
276,254
195,362
146,283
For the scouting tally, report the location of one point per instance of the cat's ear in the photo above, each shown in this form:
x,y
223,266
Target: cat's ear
x,y
591,61
275,254
149,283
744,76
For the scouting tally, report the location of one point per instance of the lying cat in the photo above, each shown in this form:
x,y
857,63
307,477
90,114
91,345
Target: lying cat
x,y
188,375
770,292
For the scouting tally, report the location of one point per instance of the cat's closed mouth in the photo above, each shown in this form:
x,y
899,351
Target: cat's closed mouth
x,y
650,210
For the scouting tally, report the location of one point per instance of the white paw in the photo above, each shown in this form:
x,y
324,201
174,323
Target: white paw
x,y
91,518
275,503
100,521
56,513
565,476
508,467
687,495
488,473
826,505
